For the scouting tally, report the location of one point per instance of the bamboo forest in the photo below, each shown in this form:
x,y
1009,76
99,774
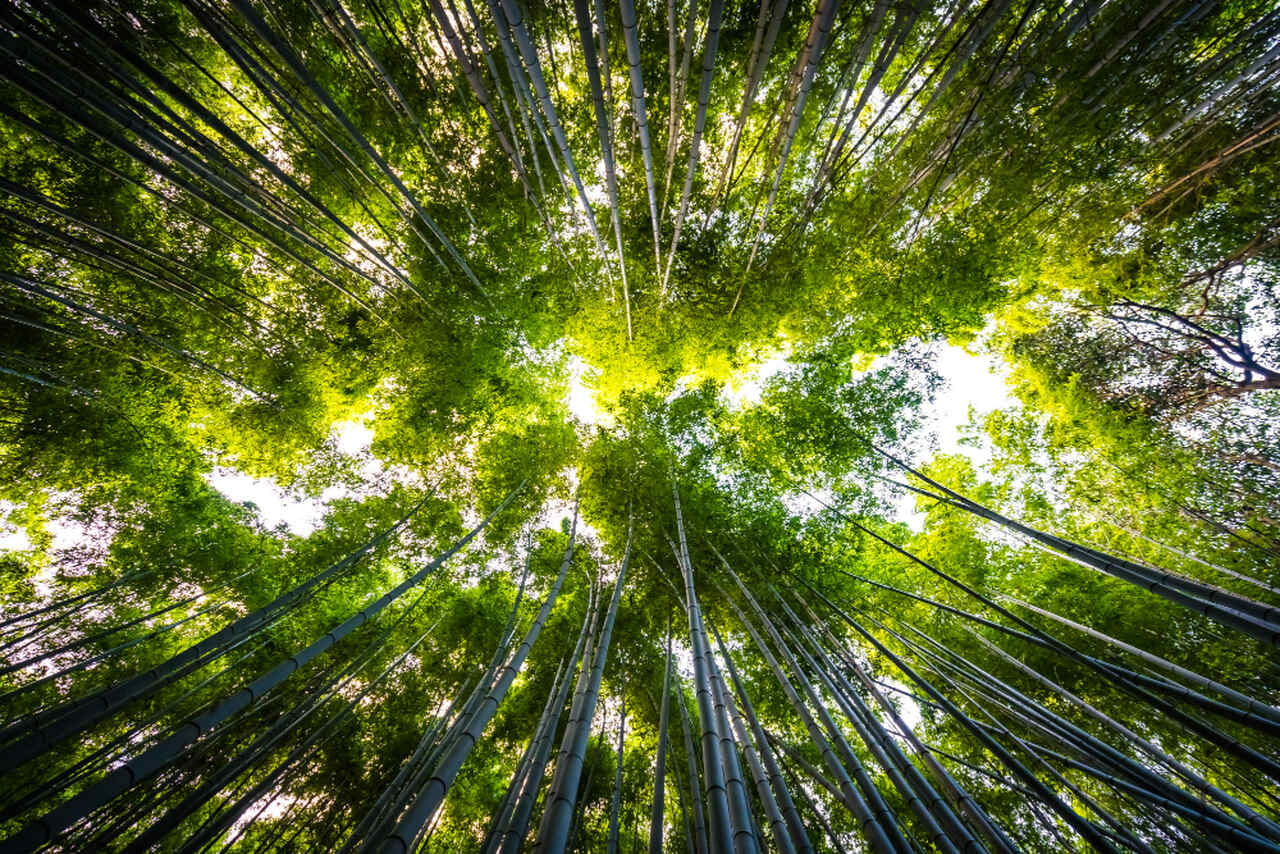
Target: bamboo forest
x,y
711,426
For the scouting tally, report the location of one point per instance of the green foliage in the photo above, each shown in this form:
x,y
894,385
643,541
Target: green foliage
x,y
229,233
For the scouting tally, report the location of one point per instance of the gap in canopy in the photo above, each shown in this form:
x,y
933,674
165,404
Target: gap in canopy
x,y
277,507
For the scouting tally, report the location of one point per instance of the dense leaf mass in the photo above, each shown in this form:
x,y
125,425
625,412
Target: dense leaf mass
x,y
526,425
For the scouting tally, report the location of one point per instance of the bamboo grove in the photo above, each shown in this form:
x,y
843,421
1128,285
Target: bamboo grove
x,y
369,255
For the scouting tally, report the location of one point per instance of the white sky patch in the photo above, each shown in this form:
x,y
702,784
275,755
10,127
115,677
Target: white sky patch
x,y
75,547
556,513
581,398
13,537
270,806
275,505
976,383
69,533
598,192
352,438
804,504
370,255
302,514
44,581
562,512
908,709
274,149
747,385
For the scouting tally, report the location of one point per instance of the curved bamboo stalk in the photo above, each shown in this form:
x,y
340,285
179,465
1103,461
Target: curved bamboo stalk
x,y
815,44
502,818
871,822
628,11
616,800
714,17
657,808
52,726
290,58
746,837
515,19
777,825
402,838
919,795
604,130
1250,704
1255,618
1128,680
720,834
1043,792
160,755
701,844
511,839
268,739
795,826
553,834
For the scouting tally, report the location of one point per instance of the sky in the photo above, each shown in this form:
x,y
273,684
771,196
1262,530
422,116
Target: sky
x,y
976,383
300,514
970,382
580,399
